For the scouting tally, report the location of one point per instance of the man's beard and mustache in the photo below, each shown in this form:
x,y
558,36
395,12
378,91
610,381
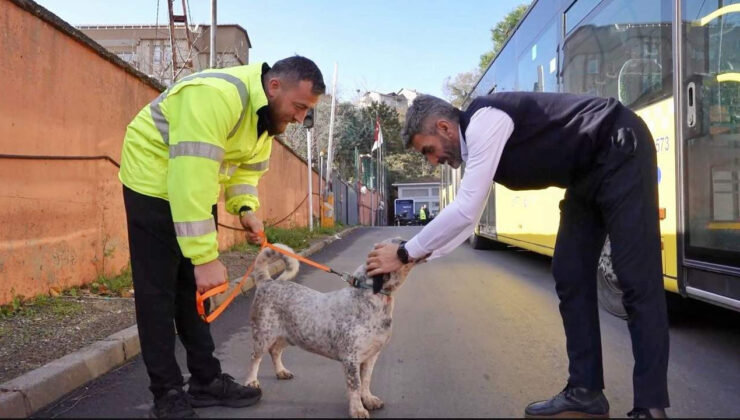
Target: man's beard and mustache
x,y
452,155
274,126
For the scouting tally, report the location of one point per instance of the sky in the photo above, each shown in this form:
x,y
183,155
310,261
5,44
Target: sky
x,y
382,45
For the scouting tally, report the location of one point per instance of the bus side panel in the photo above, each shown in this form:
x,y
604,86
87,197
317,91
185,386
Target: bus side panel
x,y
659,118
528,219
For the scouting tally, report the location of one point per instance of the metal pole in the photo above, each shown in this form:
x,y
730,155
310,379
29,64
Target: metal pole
x,y
372,193
310,181
331,128
172,40
321,194
213,34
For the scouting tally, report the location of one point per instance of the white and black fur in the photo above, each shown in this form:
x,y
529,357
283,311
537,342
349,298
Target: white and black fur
x,y
350,325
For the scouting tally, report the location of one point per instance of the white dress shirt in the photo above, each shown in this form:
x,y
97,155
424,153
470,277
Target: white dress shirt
x,y
485,138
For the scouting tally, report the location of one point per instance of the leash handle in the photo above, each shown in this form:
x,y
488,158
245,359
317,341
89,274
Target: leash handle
x,y
201,298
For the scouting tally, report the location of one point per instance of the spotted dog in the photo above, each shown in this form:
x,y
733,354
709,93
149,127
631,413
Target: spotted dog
x,y
350,325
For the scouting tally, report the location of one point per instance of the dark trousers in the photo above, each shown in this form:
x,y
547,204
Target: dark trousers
x,y
618,197
164,288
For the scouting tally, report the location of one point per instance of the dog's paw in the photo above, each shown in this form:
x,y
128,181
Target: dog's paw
x,y
371,402
253,384
284,374
359,413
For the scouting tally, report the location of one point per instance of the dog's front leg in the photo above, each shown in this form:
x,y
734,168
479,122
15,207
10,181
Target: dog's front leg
x,y
352,372
370,401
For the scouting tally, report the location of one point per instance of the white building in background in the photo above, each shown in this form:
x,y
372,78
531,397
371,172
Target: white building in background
x,y
422,193
400,100
147,47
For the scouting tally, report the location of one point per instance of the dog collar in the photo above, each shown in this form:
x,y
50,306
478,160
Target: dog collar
x,y
363,283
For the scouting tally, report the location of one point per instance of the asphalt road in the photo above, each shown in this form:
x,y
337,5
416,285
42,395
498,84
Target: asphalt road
x,y
476,334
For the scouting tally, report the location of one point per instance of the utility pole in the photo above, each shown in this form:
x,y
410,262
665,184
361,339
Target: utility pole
x,y
328,210
213,34
183,18
172,39
310,180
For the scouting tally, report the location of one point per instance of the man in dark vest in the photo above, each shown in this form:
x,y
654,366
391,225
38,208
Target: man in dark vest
x,y
604,156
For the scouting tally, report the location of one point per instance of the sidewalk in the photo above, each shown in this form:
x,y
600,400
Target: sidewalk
x,y
26,394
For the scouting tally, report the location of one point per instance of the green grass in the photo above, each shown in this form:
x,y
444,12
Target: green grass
x,y
297,238
112,286
108,286
41,303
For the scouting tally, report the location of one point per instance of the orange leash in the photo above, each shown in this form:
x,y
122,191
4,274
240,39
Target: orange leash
x,y
200,299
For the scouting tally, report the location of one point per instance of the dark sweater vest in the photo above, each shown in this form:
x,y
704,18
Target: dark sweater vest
x,y
556,136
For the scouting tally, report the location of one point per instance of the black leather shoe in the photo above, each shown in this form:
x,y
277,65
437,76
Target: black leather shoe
x,y
571,402
647,413
222,391
172,405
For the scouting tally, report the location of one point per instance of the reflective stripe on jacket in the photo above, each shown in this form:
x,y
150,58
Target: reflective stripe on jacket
x,y
199,133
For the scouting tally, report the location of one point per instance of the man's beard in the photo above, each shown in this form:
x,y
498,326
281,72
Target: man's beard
x,y
453,156
273,125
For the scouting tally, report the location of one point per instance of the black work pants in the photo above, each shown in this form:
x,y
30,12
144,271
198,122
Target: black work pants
x,y
618,197
164,289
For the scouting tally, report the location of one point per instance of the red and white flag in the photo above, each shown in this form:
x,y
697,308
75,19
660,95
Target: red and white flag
x,y
378,135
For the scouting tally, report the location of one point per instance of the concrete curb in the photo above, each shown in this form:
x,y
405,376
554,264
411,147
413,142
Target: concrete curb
x,y
29,393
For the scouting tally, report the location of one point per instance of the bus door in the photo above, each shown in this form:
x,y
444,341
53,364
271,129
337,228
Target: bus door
x,y
709,157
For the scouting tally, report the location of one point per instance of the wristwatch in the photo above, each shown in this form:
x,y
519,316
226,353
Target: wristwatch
x,y
402,253
244,210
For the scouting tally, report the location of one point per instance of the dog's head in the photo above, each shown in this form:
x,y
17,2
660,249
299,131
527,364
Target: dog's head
x,y
390,281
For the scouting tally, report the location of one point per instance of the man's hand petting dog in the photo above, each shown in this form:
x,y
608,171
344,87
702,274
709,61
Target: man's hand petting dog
x,y
383,259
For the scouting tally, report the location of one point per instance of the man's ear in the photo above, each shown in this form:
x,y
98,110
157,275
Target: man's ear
x,y
273,86
444,126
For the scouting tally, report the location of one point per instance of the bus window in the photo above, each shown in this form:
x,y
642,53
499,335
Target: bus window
x,y
712,140
622,50
504,68
577,11
537,65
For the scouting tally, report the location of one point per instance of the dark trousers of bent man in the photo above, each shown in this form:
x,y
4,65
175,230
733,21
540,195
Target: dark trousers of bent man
x,y
618,197
164,289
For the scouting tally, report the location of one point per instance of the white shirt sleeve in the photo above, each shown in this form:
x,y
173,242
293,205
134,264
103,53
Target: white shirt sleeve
x,y
486,136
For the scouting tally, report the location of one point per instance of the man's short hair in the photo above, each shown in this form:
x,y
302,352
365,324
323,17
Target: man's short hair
x,y
421,113
297,68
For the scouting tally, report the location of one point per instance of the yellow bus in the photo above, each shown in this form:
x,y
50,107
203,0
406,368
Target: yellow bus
x,y
676,63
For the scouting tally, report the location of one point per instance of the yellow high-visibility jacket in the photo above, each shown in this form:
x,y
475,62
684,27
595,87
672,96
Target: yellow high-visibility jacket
x,y
199,133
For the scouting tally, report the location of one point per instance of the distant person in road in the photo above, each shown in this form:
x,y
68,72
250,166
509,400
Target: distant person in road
x,y
210,128
423,214
604,156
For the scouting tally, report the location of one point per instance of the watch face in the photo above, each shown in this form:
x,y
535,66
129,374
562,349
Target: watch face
x,y
403,255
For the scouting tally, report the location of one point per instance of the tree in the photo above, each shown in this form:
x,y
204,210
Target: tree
x,y
458,89
500,33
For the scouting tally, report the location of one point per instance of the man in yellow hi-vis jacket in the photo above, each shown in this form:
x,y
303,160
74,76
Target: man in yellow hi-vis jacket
x,y
209,128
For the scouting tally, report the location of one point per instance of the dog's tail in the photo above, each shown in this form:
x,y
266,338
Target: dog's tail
x,y
266,257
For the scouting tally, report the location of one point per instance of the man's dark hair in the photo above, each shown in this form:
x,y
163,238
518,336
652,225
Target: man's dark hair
x,y
420,113
297,68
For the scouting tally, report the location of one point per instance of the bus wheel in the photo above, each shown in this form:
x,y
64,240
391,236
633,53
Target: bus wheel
x,y
481,242
609,291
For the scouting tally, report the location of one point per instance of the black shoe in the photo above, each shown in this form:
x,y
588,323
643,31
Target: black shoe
x,y
222,391
647,413
571,402
172,405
